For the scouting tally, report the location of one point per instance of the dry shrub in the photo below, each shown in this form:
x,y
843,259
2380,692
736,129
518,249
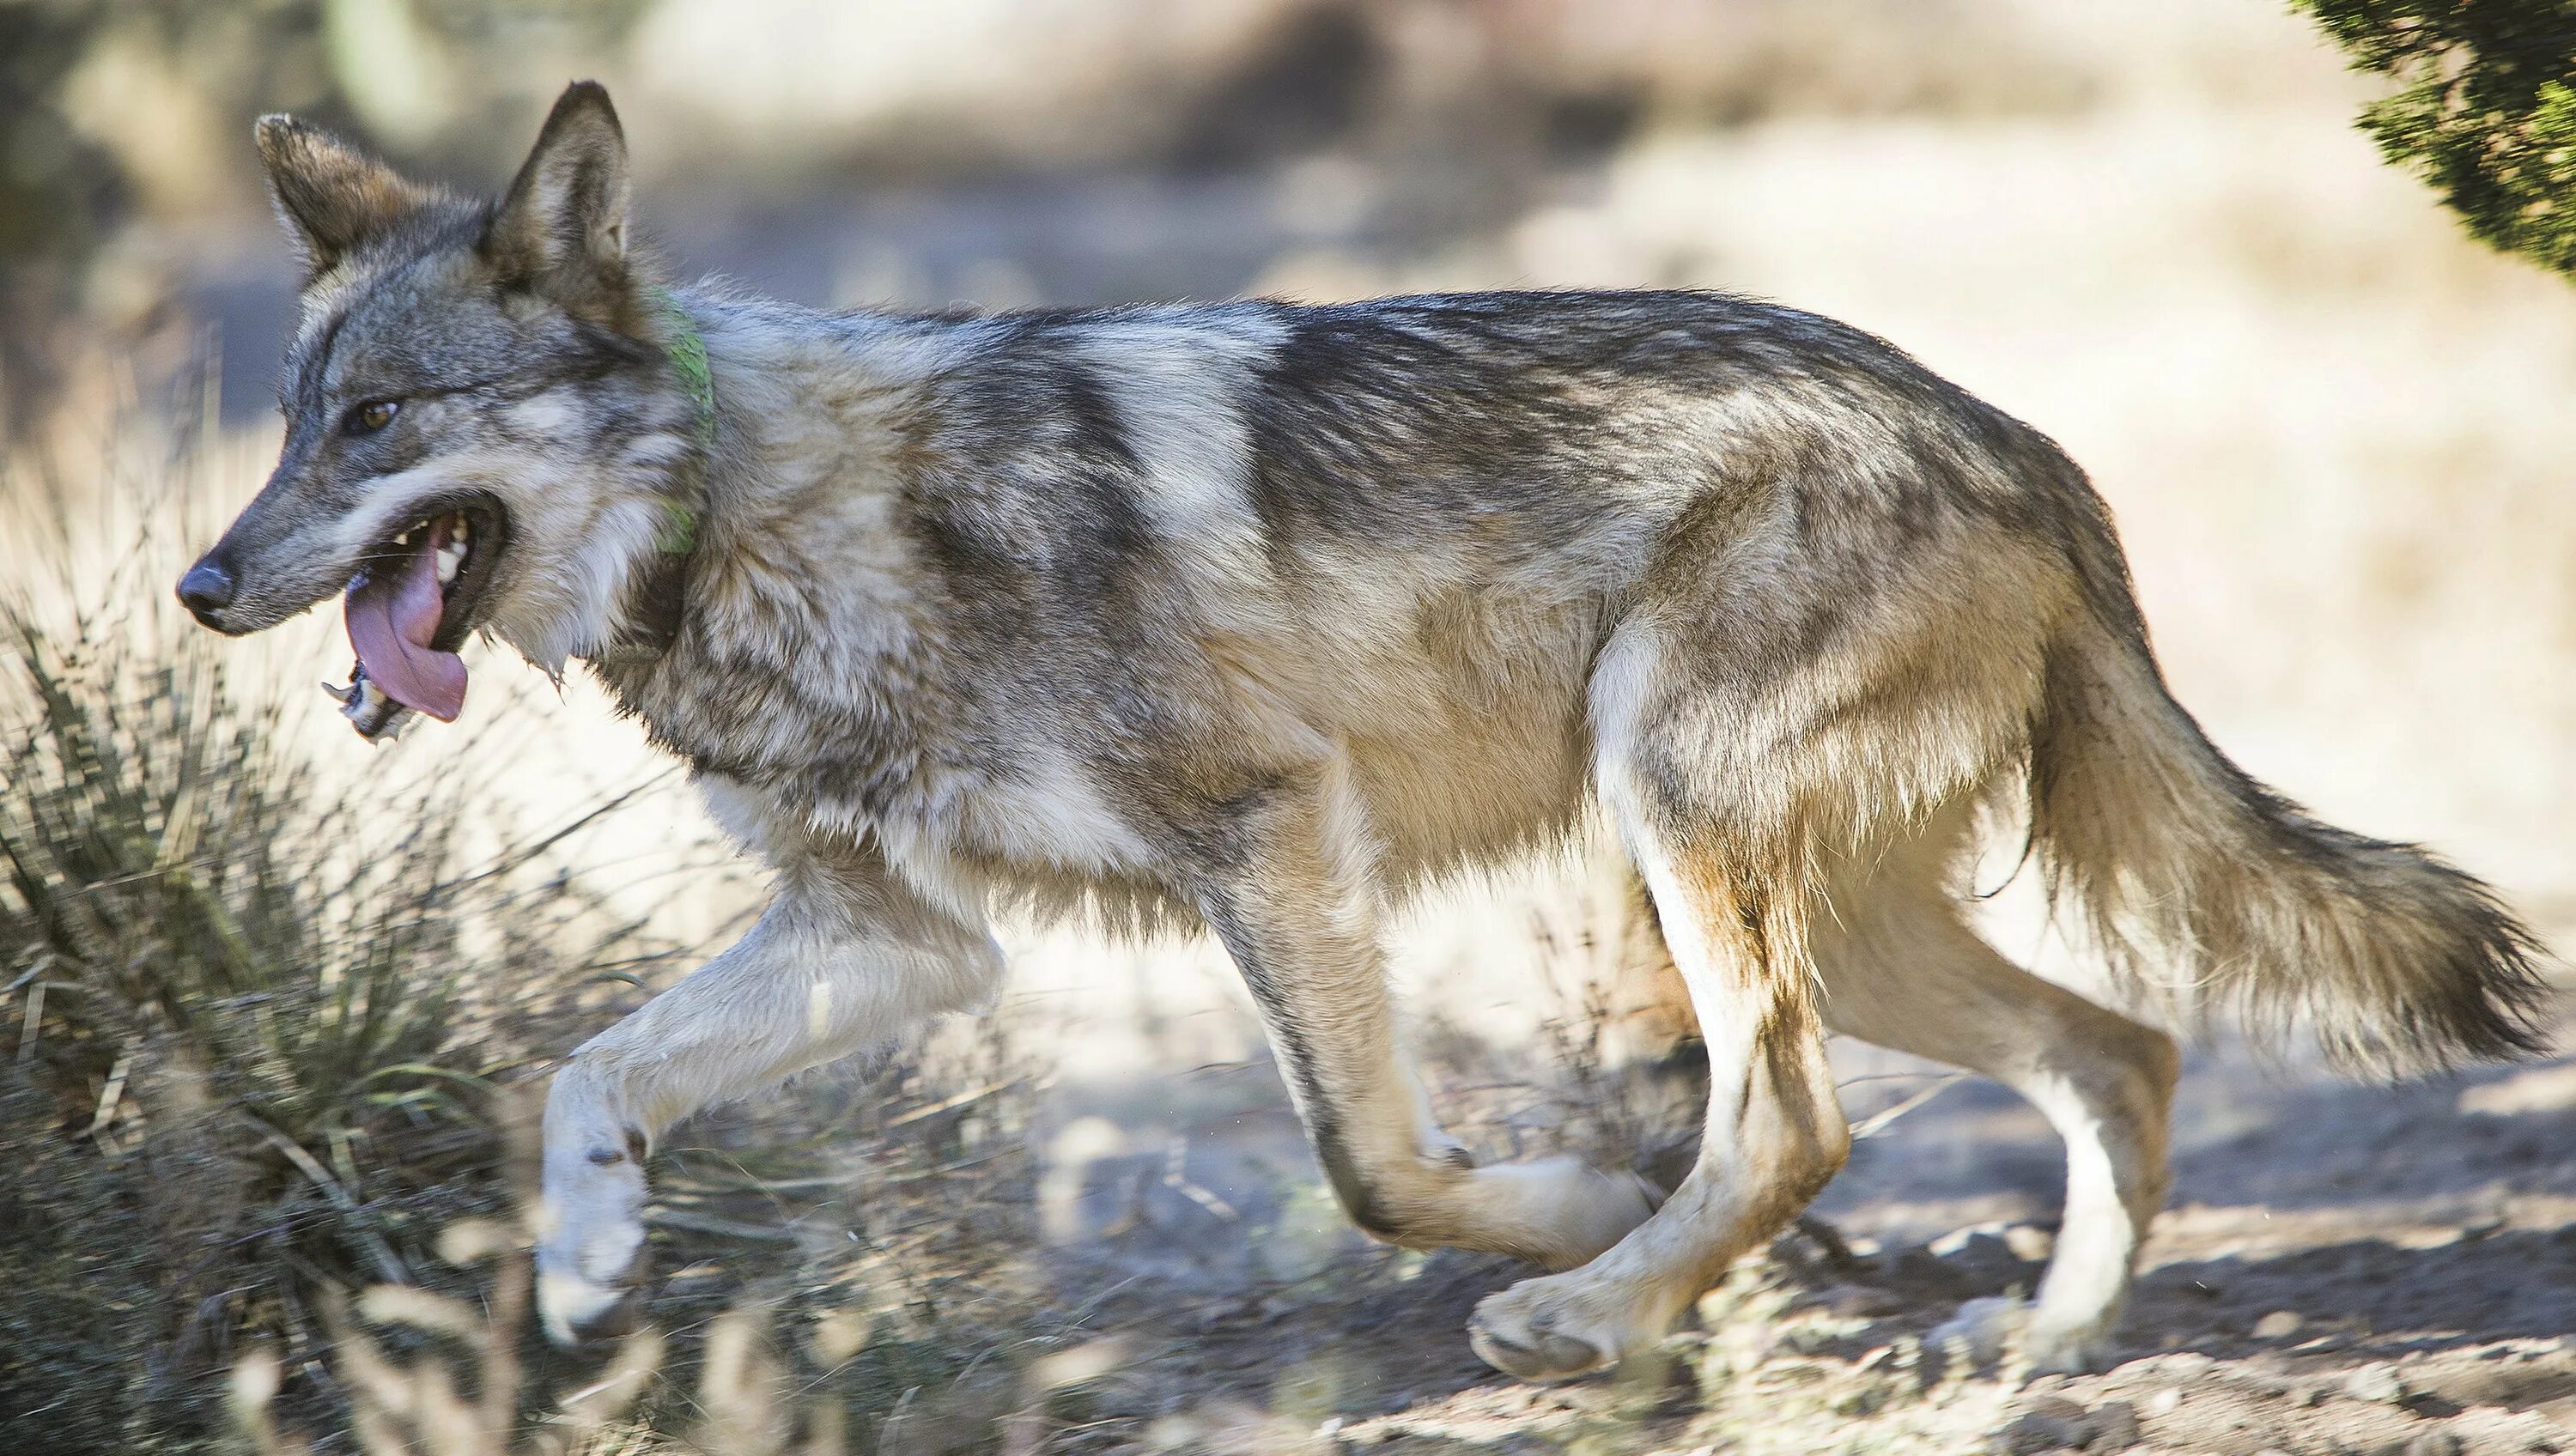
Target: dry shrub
x,y
271,1038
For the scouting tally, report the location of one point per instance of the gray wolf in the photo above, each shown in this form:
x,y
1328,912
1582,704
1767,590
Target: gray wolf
x,y
1257,617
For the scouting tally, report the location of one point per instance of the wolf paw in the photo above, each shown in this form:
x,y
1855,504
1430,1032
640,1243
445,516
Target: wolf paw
x,y
2079,1349
1547,1330
579,1313
590,1247
1984,1328
590,1281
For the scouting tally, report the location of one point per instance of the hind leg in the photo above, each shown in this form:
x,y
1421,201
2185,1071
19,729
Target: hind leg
x,y
1788,695
1775,1135
1902,970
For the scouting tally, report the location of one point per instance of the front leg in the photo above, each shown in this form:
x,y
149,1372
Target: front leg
x,y
844,960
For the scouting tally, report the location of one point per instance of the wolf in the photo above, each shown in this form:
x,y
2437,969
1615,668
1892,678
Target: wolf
x,y
1257,618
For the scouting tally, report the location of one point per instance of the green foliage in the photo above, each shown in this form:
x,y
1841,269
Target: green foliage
x,y
2485,109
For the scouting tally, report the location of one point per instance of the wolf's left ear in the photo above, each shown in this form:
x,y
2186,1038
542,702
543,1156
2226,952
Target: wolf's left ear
x,y
561,228
332,196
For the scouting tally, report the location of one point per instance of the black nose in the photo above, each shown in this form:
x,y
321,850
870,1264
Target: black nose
x,y
207,589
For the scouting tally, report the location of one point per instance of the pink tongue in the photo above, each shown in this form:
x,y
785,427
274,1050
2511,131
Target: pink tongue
x,y
393,612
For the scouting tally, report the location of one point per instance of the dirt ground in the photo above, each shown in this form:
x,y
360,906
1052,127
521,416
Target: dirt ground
x,y
2341,1269
2335,435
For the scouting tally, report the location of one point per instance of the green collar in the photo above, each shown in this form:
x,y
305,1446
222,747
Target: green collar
x,y
661,598
688,350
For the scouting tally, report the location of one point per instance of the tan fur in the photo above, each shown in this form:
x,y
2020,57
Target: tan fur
x,y
1256,618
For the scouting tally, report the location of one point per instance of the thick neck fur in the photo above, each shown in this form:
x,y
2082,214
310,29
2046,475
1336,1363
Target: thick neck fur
x,y
801,607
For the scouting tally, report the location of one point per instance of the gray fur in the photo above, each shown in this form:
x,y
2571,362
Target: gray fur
x,y
1256,616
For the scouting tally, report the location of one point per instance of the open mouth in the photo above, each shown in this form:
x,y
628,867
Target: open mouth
x,y
414,601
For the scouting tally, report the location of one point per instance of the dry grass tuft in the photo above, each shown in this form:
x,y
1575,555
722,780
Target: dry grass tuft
x,y
274,1037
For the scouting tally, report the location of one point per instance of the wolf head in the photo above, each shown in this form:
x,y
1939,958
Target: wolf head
x,y
483,419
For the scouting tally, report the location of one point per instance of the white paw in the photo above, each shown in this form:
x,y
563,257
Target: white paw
x,y
2084,1347
590,1252
578,1312
590,1241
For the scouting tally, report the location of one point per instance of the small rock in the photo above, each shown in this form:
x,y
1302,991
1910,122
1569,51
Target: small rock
x,y
2435,1442
1982,1325
2047,1424
2030,1243
2164,1402
2377,1383
2115,1428
2280,1324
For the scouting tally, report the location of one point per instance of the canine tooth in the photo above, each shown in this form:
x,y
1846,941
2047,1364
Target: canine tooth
x,y
464,528
450,557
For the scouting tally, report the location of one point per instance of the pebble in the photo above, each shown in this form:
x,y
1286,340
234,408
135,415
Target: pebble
x,y
2164,1402
2048,1423
2435,1442
2280,1324
2376,1382
1982,1325
2115,1428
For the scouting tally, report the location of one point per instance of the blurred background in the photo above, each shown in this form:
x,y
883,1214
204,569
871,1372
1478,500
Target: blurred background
x,y
2328,423
2335,433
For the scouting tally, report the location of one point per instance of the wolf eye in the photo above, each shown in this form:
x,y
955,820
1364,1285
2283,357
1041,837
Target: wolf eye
x,y
370,417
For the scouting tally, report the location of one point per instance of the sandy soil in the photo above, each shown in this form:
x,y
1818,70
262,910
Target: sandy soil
x,y
2341,1269
2335,434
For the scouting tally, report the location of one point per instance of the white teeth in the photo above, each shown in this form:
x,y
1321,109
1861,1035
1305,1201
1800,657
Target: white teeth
x,y
361,701
450,557
464,528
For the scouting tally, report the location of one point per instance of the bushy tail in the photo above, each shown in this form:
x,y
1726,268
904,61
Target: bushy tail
x,y
2198,880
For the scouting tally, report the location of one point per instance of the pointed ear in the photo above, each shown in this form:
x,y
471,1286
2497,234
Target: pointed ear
x,y
331,196
561,228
